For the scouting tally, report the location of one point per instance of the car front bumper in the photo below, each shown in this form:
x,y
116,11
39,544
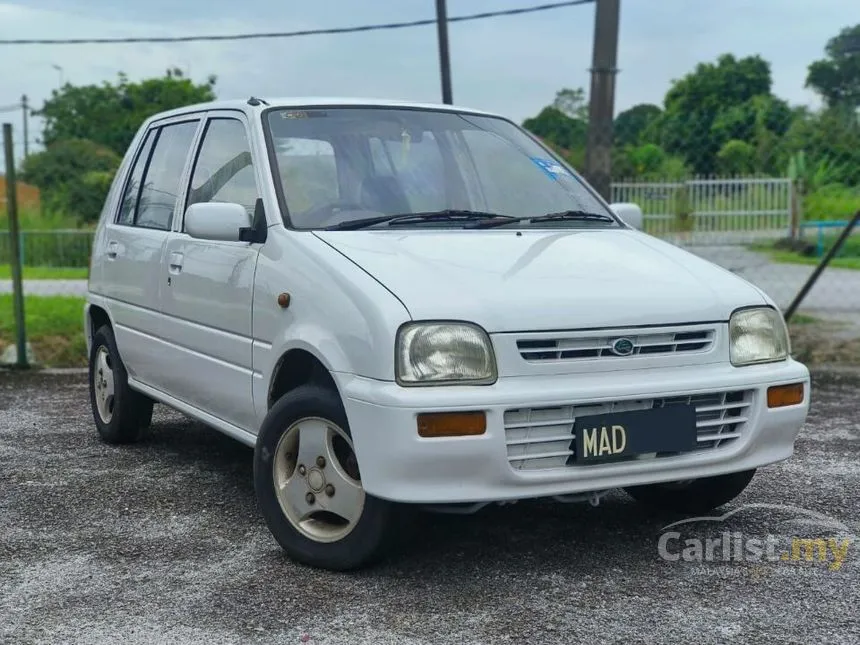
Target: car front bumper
x,y
399,465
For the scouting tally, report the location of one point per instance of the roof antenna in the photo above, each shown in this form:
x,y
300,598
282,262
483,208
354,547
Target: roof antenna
x,y
254,101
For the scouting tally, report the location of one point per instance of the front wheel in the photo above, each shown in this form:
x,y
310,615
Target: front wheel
x,y
308,484
694,496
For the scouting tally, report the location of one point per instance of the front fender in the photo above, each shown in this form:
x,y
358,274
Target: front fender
x,y
317,341
336,312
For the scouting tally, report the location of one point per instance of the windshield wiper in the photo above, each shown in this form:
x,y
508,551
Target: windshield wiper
x,y
549,217
448,215
580,215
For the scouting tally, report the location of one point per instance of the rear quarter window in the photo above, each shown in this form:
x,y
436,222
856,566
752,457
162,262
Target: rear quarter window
x,y
154,182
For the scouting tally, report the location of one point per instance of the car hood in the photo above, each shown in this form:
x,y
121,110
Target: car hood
x,y
507,280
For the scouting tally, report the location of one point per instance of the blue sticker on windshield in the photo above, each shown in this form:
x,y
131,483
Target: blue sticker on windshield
x,y
553,169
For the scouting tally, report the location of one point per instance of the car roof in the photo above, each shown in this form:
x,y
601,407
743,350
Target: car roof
x,y
311,101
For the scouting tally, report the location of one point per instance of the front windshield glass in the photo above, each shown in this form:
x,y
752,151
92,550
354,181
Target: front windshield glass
x,y
344,164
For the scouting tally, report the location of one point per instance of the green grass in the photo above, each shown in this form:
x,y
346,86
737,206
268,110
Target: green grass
x,y
803,319
787,257
36,220
45,273
851,247
55,328
833,202
847,258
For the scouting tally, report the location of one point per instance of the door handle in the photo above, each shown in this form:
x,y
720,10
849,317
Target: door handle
x,y
175,264
112,250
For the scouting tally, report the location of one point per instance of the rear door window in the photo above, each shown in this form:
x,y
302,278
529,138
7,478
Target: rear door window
x,y
128,205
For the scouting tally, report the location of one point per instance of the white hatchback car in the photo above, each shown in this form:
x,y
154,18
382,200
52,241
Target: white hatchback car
x,y
420,304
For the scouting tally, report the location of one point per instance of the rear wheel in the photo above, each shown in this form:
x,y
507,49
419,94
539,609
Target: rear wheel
x,y
695,495
121,414
309,487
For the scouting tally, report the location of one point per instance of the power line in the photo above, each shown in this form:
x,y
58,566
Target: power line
x,y
291,34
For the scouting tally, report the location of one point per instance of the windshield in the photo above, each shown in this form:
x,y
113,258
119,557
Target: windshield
x,y
344,164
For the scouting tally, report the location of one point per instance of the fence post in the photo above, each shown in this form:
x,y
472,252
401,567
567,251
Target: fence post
x,y
14,248
794,211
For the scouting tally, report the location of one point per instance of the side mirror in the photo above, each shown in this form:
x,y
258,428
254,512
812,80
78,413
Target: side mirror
x,y
216,221
630,214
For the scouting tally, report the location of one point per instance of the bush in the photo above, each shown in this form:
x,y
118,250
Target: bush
x,y
74,177
736,158
648,162
831,202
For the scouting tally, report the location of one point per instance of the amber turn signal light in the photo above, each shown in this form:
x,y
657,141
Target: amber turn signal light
x,y
451,424
780,396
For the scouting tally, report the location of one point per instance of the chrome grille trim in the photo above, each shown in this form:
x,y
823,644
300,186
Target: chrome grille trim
x,y
589,345
541,438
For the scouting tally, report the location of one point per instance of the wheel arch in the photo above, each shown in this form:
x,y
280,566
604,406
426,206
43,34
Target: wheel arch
x,y
295,367
95,316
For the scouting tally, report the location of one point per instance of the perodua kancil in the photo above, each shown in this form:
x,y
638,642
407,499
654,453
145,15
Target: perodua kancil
x,y
397,303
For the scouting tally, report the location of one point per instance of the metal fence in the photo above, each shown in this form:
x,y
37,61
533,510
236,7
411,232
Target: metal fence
x,y
54,248
734,207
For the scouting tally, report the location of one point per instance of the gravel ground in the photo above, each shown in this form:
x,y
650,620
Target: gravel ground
x,y
162,543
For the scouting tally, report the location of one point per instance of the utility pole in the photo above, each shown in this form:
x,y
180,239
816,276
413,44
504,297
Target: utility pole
x,y
26,110
598,154
444,54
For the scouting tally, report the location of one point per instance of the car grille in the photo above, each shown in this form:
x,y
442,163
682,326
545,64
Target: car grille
x,y
540,438
598,344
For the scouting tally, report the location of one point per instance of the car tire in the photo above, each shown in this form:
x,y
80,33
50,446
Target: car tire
x,y
693,497
338,528
120,413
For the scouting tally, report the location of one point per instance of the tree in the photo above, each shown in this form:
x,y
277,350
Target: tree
x,y
760,123
631,124
73,176
110,114
837,77
558,129
695,103
571,103
649,162
746,120
829,140
736,158
563,125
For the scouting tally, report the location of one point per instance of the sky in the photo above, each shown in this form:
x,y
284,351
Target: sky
x,y
510,65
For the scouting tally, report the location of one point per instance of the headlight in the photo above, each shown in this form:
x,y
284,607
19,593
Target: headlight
x,y
757,336
437,353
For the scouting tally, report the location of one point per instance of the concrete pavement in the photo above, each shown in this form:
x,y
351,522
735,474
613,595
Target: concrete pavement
x,y
48,287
